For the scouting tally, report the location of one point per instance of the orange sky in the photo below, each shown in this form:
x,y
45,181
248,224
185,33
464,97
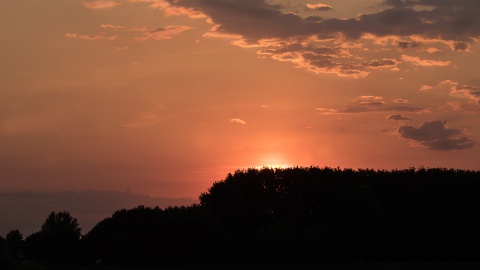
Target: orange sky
x,y
165,97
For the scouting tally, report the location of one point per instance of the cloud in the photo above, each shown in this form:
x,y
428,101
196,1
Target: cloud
x,y
425,63
238,121
435,135
320,7
320,59
461,46
468,91
464,91
432,50
397,117
91,36
384,63
448,20
100,4
407,44
369,104
71,35
425,88
408,23
401,100
163,33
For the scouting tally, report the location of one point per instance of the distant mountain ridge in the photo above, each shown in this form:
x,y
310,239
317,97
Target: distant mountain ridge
x,y
27,210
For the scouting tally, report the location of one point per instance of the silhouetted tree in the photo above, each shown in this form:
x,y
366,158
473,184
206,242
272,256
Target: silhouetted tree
x,y
14,243
357,215
288,215
150,236
58,240
34,246
61,234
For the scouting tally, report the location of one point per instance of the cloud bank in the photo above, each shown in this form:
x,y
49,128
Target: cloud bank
x,y
333,45
297,38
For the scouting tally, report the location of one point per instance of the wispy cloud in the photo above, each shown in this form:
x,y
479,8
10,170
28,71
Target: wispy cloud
x,y
414,60
435,135
111,32
397,117
91,36
369,104
163,33
319,6
425,88
238,121
100,4
401,100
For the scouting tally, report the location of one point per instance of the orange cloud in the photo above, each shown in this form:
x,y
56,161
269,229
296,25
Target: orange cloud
x,y
426,88
424,63
319,7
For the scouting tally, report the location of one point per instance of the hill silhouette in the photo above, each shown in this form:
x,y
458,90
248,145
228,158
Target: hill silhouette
x,y
298,215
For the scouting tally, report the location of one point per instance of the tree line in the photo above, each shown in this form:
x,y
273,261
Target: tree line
x,y
298,214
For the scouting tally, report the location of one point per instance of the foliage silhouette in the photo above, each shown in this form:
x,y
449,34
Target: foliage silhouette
x,y
14,244
149,236
57,241
298,214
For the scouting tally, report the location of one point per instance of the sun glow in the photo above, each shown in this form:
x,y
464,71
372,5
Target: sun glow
x,y
276,161
276,165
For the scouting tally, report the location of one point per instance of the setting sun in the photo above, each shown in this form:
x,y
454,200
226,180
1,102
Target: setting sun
x,y
273,161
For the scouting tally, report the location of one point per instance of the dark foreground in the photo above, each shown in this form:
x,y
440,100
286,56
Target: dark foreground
x,y
276,218
325,266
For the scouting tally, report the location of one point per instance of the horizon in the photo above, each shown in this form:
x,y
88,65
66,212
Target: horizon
x,y
90,207
163,97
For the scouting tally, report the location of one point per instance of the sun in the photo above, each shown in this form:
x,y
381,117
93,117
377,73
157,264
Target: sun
x,y
274,161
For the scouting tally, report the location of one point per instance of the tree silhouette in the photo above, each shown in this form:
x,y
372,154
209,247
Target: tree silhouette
x,y
14,242
153,236
299,214
57,241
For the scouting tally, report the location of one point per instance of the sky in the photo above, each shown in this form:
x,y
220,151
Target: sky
x,y
165,97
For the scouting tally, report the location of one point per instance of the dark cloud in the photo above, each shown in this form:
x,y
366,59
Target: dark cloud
x,y
461,46
256,19
454,22
407,44
398,117
388,63
434,135
313,19
253,19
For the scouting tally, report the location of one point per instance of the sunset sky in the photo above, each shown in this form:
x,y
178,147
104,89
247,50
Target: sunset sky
x,y
164,97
